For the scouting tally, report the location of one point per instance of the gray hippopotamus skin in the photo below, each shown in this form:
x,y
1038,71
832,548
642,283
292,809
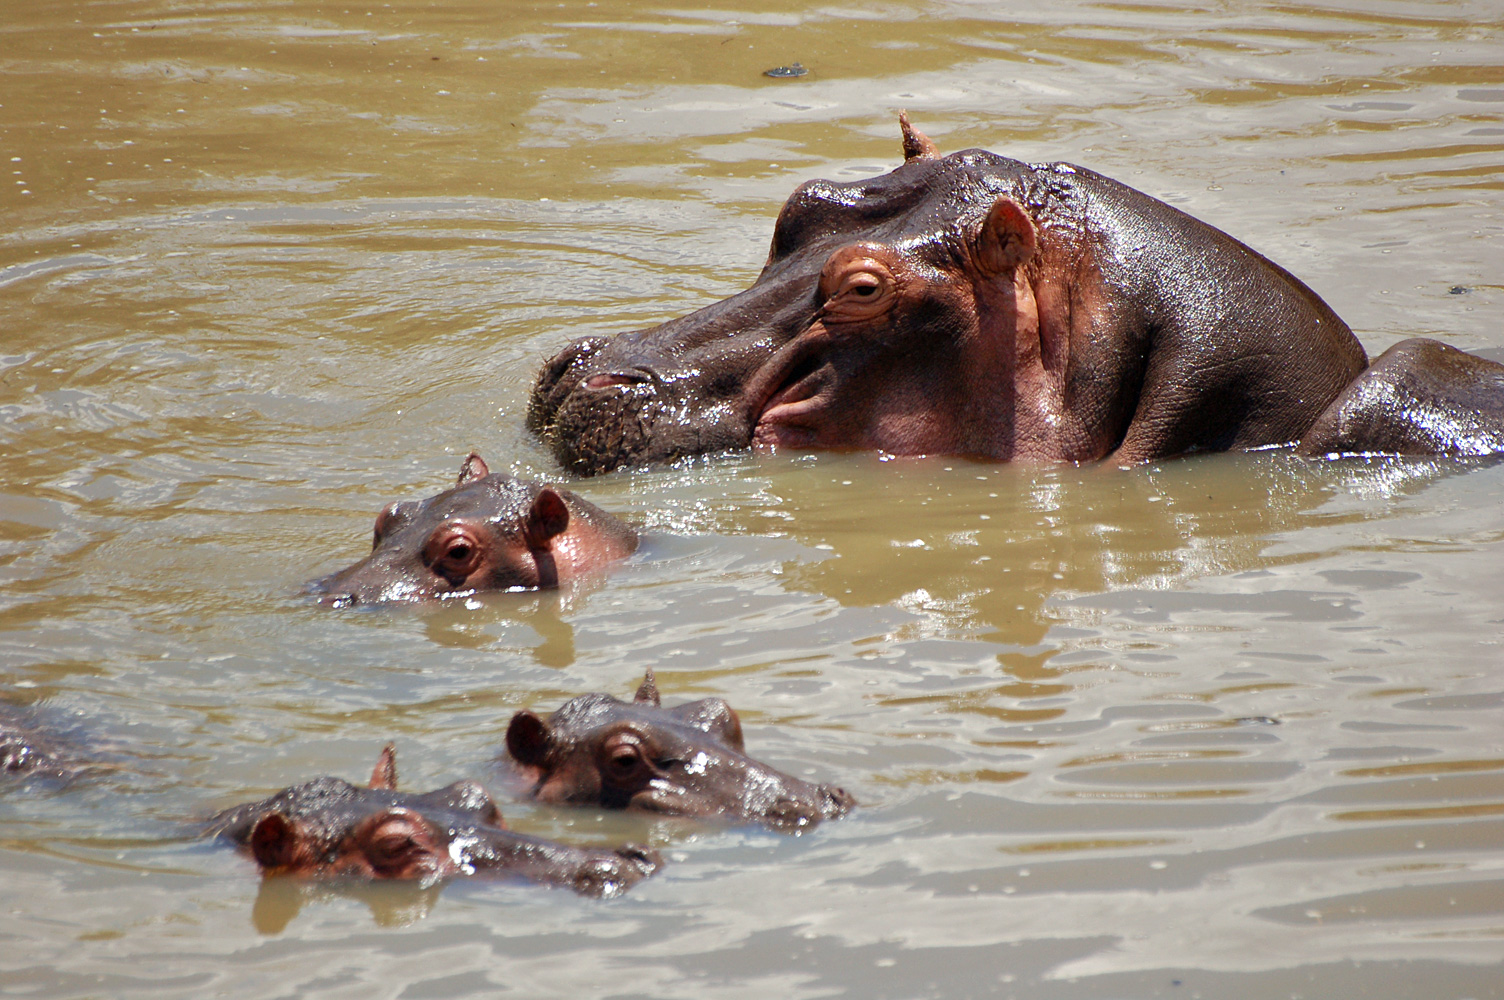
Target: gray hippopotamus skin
x,y
975,305
30,750
490,532
330,829
688,760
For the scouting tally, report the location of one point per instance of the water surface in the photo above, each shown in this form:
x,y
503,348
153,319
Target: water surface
x,y
1222,727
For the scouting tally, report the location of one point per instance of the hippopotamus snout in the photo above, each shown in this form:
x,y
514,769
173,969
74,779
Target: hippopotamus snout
x,y
813,803
599,401
660,394
371,581
558,377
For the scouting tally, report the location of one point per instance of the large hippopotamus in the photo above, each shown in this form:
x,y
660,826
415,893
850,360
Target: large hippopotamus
x,y
490,532
329,828
975,305
688,760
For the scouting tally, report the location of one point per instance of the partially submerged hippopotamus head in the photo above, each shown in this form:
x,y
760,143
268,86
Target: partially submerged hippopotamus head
x,y
329,828
688,760
490,532
976,305
30,750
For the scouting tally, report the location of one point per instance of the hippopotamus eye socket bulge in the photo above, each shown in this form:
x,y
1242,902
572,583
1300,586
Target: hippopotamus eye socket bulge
x,y
392,516
856,285
626,758
454,552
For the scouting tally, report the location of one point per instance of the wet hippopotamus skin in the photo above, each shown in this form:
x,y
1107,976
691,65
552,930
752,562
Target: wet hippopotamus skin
x,y
28,750
330,829
975,305
688,760
490,532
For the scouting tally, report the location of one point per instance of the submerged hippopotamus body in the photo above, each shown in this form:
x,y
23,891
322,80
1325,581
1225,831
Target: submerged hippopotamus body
x,y
688,760
976,305
329,828
490,532
28,750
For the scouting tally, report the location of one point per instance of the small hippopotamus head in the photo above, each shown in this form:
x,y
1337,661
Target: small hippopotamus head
x,y
330,829
30,751
490,532
685,761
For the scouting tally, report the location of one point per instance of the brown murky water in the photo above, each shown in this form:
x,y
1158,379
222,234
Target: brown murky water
x,y
1225,727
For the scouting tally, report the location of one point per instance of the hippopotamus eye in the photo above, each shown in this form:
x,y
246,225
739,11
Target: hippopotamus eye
x,y
856,286
454,551
395,844
623,757
389,851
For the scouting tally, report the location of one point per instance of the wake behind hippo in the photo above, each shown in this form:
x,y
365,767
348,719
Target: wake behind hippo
x,y
490,532
330,829
976,305
688,760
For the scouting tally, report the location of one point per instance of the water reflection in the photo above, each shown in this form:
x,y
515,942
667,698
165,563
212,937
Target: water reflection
x,y
280,899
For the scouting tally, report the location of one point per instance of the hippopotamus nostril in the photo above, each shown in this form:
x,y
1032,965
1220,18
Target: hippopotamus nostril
x,y
838,801
607,380
578,350
645,859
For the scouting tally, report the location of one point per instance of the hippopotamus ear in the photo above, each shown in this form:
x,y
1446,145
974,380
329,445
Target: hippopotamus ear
x,y
548,517
473,468
528,739
274,841
384,775
916,145
647,691
1007,237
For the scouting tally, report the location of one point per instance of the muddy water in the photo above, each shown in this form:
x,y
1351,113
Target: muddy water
x,y
1223,727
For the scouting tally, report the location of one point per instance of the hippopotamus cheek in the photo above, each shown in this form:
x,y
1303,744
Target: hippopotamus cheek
x,y
670,798
570,784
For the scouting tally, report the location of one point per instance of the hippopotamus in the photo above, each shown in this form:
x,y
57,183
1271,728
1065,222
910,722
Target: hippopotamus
x,y
328,828
28,750
979,306
490,532
688,760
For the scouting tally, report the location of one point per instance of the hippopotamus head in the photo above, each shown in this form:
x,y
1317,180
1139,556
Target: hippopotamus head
x,y
329,828
968,305
866,314
686,761
490,532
